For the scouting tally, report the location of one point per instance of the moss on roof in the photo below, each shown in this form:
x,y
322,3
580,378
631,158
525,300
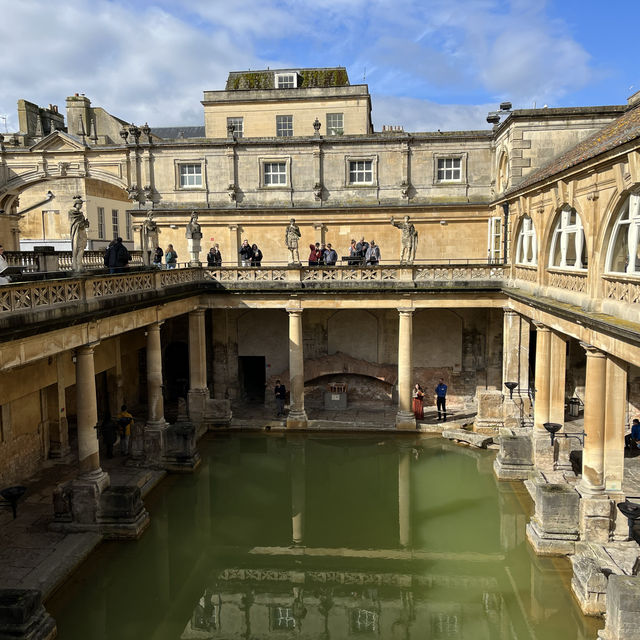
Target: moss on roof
x,y
307,78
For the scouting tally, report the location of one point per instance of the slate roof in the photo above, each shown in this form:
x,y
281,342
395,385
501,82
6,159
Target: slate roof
x,y
614,134
171,133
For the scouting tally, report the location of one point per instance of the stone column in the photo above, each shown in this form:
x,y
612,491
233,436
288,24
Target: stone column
x,y
234,246
59,426
298,490
405,418
515,368
297,417
592,482
558,371
404,495
614,424
155,429
87,412
542,449
198,391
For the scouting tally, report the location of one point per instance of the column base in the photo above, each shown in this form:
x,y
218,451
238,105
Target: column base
x,y
596,517
544,454
405,420
171,447
514,460
297,420
23,617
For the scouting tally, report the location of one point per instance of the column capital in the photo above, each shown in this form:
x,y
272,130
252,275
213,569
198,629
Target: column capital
x,y
155,326
197,311
294,310
508,311
233,227
540,326
406,310
87,349
592,351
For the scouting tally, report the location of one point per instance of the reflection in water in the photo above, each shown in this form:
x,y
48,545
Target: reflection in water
x,y
327,537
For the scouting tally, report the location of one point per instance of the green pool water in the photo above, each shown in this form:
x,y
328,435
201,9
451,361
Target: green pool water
x,y
289,536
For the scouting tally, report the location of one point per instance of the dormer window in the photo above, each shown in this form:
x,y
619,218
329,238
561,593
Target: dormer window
x,y
286,80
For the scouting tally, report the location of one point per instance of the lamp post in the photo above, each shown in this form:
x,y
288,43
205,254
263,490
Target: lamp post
x,y
554,427
511,386
632,512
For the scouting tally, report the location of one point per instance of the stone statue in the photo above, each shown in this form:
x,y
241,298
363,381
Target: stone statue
x,y
149,239
79,226
194,235
409,240
291,236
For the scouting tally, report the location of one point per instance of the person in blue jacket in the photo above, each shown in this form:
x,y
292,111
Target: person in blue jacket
x,y
441,400
632,440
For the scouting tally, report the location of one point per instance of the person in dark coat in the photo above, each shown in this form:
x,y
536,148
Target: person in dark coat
x,y
109,433
157,257
214,257
117,256
256,256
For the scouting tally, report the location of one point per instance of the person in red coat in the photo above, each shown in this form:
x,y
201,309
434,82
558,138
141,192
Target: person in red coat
x,y
315,254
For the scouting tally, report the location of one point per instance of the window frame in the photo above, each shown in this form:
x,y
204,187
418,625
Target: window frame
x,y
563,228
278,128
280,77
461,157
115,223
179,163
373,159
272,160
630,209
238,132
527,238
101,229
334,130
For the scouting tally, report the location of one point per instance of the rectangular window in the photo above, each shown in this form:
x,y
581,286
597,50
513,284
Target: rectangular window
x,y
494,240
114,223
449,169
335,124
286,80
360,171
129,226
101,223
275,173
190,176
238,126
282,618
284,126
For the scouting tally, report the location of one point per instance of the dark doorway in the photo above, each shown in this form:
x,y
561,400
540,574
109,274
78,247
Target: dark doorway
x,y
251,370
176,370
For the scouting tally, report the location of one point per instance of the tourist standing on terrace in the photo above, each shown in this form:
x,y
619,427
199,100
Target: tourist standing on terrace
x,y
246,253
330,256
171,257
214,257
373,254
157,257
418,402
353,254
441,400
315,255
256,256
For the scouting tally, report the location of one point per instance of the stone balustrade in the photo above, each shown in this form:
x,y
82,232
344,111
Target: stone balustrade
x,y
36,261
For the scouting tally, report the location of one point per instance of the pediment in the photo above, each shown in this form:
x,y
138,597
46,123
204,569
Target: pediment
x,y
58,141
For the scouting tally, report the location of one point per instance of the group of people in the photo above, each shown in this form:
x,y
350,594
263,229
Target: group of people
x,y
170,257
441,400
322,254
250,254
364,252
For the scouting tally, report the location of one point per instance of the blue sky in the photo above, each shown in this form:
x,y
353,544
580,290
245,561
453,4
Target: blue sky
x,y
430,64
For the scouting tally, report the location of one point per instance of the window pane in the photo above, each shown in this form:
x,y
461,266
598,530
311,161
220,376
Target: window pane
x,y
100,222
449,169
284,126
335,124
238,126
361,171
114,223
190,175
275,173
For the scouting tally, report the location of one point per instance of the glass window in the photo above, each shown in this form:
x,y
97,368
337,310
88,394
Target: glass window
x,y
190,175
361,171
335,124
494,241
282,618
568,247
527,243
450,169
238,126
286,80
623,255
101,222
114,223
275,173
284,126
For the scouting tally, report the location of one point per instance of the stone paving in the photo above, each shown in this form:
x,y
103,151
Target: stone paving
x,y
31,556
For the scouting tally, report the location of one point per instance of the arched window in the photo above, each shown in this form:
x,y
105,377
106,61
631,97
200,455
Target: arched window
x,y
527,243
503,172
568,248
623,255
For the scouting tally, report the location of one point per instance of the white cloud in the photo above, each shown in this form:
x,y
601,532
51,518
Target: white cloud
x,y
150,60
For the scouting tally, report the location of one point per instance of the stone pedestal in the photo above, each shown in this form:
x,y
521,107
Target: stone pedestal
x,y
553,529
194,248
589,584
596,518
623,609
181,453
544,454
22,616
515,458
490,414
